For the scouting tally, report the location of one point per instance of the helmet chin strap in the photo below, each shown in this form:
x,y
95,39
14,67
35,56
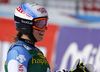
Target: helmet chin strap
x,y
32,38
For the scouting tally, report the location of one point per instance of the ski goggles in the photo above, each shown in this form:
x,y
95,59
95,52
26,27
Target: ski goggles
x,y
40,23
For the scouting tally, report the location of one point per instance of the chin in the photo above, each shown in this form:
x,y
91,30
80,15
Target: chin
x,y
39,40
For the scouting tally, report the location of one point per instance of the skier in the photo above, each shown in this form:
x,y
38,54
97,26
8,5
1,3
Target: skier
x,y
24,56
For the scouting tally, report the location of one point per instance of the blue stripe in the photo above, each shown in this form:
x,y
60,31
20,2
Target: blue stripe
x,y
87,18
28,10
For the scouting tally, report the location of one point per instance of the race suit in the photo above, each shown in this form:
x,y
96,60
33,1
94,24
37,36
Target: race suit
x,y
23,57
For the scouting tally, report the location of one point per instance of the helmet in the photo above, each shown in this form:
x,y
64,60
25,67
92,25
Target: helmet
x,y
29,16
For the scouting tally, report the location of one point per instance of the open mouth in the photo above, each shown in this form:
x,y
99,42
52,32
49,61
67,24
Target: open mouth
x,y
42,34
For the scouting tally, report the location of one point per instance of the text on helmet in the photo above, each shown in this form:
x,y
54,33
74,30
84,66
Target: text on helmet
x,y
42,10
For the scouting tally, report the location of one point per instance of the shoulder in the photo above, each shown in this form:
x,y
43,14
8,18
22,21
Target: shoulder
x,y
20,49
17,52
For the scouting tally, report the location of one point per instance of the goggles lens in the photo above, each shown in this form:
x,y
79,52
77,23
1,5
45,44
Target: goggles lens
x,y
40,23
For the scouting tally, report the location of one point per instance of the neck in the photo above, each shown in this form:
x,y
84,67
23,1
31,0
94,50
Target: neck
x,y
25,37
29,38
27,41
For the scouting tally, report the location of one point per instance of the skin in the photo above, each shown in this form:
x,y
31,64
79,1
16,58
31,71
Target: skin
x,y
38,34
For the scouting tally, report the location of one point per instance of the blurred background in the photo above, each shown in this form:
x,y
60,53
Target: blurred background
x,y
73,32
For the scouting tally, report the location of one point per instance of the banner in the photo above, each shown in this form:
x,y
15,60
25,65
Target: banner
x,y
88,5
4,1
77,43
91,5
7,29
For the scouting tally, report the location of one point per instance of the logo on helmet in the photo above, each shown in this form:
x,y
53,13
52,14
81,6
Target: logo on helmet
x,y
26,22
33,4
42,10
21,11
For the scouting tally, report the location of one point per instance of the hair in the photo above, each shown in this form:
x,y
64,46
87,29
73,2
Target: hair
x,y
18,36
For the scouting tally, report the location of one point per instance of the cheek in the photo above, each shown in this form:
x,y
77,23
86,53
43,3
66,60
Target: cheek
x,y
38,36
35,33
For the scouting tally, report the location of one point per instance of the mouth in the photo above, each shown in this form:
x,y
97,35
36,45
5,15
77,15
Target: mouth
x,y
42,34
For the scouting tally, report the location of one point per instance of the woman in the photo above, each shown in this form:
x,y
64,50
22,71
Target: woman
x,y
23,56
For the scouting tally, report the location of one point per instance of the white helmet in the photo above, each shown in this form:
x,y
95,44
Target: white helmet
x,y
27,15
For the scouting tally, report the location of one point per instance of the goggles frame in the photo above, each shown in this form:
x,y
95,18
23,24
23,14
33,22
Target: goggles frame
x,y
34,26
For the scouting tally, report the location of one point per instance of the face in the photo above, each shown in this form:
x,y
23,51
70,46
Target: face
x,y
39,34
